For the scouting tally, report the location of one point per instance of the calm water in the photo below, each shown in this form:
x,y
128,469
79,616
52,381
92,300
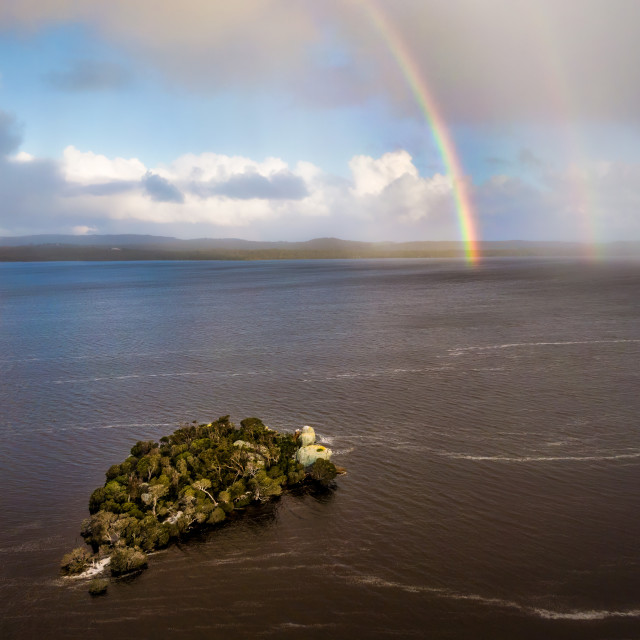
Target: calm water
x,y
488,419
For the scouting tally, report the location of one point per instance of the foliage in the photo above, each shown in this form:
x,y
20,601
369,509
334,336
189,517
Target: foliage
x,y
98,586
323,471
194,477
75,561
127,560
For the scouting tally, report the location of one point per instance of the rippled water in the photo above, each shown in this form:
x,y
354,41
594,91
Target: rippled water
x,y
488,418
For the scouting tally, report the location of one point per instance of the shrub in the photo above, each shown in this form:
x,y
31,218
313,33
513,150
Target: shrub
x,y
98,586
75,561
323,471
217,515
126,560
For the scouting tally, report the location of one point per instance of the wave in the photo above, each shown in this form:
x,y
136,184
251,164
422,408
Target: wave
x,y
133,375
97,356
548,614
350,375
515,345
344,452
592,458
172,374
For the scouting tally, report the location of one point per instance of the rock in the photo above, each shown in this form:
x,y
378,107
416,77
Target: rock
x,y
307,436
306,456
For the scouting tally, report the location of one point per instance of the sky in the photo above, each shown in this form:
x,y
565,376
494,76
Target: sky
x,y
292,119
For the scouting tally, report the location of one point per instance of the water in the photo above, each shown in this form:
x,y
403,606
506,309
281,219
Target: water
x,y
488,419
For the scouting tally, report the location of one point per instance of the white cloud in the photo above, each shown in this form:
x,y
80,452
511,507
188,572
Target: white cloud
x,y
83,230
384,198
372,175
215,167
21,156
86,167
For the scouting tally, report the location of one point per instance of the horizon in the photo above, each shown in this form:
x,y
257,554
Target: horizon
x,y
307,240
363,119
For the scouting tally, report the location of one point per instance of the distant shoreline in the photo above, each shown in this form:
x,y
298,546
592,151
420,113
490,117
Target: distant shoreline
x,y
133,248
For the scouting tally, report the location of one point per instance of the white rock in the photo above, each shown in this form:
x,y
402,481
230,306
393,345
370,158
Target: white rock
x,y
307,436
306,456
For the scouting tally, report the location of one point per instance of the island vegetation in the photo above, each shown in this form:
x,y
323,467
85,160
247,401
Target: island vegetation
x,y
196,477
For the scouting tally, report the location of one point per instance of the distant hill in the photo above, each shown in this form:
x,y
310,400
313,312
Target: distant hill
x,y
55,247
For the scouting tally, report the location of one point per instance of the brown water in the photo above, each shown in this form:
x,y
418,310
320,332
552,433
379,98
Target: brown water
x,y
488,419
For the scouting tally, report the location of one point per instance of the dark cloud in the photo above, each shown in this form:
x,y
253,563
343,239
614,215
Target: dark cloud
x,y
28,191
496,61
527,158
280,186
160,189
26,188
89,75
10,134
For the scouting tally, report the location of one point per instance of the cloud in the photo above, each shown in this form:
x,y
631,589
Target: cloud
x,y
102,188
10,134
372,175
383,197
30,190
497,61
82,230
86,167
222,195
279,186
28,186
527,158
160,189
22,156
89,75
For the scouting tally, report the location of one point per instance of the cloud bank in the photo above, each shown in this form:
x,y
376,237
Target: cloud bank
x,y
383,198
492,61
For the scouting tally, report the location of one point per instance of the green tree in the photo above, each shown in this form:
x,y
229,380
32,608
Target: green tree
x,y
202,485
323,471
126,560
75,561
153,494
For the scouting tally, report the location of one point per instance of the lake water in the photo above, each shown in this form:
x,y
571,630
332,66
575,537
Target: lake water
x,y
488,419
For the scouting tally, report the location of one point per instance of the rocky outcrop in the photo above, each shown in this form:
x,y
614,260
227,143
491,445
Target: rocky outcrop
x,y
306,456
309,451
307,436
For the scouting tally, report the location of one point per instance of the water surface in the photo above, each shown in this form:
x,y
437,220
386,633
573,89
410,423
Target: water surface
x,y
488,418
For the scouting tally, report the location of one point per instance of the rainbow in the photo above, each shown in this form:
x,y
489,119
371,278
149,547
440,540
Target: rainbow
x,y
583,199
439,131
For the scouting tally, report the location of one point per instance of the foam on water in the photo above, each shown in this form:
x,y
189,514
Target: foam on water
x,y
549,614
591,458
515,345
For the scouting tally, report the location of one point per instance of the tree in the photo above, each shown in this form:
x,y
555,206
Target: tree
x,y
264,487
154,493
202,485
196,476
75,561
323,471
125,560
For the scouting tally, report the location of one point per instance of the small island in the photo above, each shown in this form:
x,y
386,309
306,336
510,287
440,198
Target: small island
x,y
193,478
